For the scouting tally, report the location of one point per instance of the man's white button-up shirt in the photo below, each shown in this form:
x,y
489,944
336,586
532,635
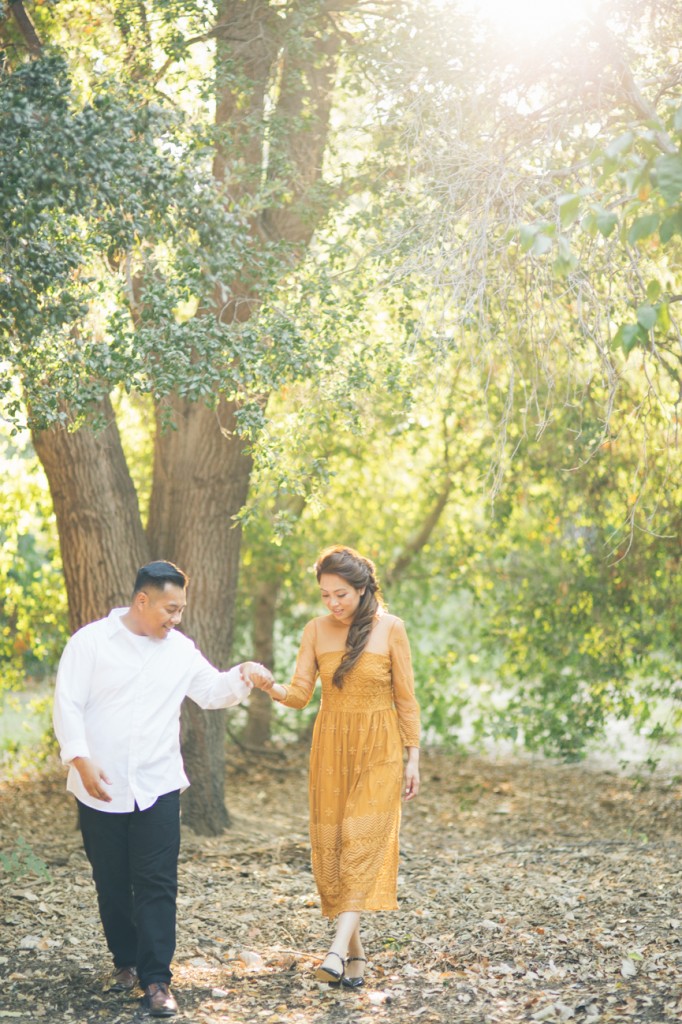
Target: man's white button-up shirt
x,y
117,701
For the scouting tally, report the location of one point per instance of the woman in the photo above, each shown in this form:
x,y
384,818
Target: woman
x,y
368,713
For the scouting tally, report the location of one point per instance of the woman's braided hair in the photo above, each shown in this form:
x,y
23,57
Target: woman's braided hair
x,y
360,573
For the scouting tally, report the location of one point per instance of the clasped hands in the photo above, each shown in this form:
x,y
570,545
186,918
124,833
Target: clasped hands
x,y
255,674
262,679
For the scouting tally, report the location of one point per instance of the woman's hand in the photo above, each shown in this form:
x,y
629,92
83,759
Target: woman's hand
x,y
258,675
263,679
412,773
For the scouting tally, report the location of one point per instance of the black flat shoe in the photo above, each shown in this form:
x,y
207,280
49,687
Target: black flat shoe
x,y
354,982
329,974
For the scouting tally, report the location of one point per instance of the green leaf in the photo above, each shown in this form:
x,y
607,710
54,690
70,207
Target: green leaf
x,y
653,290
566,261
628,336
671,226
646,316
606,222
569,209
669,176
668,229
589,223
638,176
620,145
541,245
663,317
677,120
642,227
527,236
563,267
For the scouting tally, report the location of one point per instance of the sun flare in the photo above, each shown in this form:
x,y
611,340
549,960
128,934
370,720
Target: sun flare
x,y
532,18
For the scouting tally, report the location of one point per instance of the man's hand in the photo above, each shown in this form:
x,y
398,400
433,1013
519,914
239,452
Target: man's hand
x,y
258,675
92,778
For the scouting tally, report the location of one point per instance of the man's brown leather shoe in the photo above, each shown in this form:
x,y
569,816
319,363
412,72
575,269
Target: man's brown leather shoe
x,y
159,1000
124,979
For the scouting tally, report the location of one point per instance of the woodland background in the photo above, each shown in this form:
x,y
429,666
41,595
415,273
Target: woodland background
x,y
276,275
403,275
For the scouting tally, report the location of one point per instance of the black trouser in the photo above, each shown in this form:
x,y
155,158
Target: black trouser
x,y
134,858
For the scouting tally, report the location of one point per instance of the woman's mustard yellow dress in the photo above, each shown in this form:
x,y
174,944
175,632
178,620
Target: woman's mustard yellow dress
x,y
356,760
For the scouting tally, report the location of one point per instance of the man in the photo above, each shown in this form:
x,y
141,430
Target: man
x,y
120,685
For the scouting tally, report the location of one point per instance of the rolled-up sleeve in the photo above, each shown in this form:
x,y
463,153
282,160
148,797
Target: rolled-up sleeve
x,y
403,685
71,696
302,685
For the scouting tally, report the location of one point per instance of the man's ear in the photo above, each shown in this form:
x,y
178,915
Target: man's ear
x,y
141,599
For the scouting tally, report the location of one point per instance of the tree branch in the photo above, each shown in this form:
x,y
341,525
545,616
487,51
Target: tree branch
x,y
26,28
420,537
641,105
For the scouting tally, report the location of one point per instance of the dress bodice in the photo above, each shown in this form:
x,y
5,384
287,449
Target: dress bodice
x,y
380,680
367,687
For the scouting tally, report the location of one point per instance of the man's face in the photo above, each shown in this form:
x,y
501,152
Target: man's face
x,y
159,611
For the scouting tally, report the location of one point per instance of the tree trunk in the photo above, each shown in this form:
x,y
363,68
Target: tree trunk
x,y
201,480
259,721
201,468
101,537
201,477
26,28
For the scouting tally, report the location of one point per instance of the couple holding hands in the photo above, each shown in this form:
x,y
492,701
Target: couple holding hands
x,y
120,686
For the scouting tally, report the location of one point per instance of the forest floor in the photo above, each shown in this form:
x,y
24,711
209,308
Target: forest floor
x,y
529,891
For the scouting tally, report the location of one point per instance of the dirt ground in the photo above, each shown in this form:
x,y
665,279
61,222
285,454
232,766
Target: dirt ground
x,y
529,891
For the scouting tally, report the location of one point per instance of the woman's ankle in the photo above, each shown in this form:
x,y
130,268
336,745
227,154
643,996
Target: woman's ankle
x,y
335,953
355,966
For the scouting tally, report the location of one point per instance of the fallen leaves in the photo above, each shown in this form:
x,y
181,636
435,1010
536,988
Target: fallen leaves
x,y
628,968
558,911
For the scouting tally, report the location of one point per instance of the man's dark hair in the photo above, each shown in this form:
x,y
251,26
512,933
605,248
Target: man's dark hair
x,y
157,575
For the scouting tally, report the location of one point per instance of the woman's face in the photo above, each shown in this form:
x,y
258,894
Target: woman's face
x,y
340,597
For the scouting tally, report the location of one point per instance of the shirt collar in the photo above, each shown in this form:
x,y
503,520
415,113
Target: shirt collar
x,y
113,621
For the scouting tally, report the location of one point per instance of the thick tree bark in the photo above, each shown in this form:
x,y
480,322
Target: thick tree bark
x,y
201,480
101,537
201,472
201,468
248,35
306,88
201,477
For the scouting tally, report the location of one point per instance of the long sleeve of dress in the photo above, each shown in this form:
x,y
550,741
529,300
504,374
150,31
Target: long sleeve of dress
x,y
302,685
403,685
